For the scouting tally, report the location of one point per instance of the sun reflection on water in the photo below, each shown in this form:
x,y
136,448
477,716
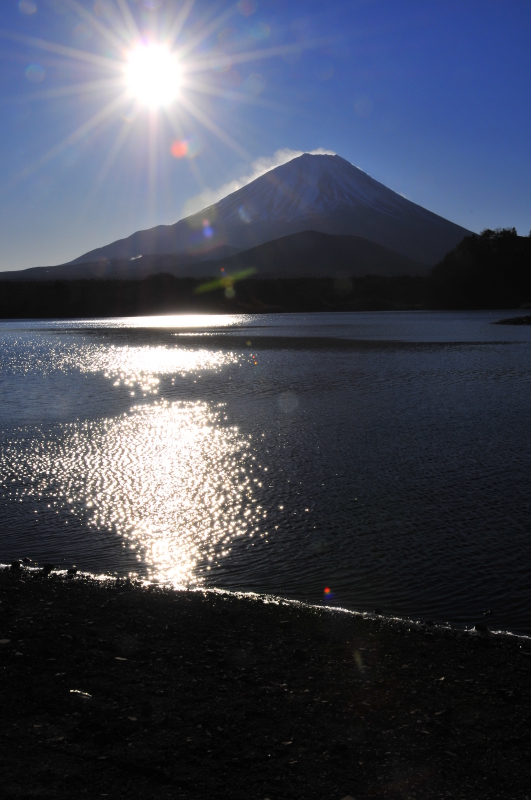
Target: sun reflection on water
x,y
127,365
170,479
157,321
141,366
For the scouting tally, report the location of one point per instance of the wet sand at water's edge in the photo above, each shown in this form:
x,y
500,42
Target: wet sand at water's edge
x,y
110,689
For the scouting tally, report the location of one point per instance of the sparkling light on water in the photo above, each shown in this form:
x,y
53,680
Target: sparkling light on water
x,y
133,366
141,366
170,479
167,478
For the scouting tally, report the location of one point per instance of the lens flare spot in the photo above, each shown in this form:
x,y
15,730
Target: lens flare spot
x,y
327,591
261,31
179,149
247,7
194,147
244,215
221,63
27,7
82,33
226,35
35,73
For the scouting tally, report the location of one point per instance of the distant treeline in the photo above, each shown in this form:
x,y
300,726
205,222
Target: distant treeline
x,y
492,270
165,294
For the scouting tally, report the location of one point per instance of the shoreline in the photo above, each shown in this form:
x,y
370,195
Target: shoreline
x,y
514,321
252,596
111,688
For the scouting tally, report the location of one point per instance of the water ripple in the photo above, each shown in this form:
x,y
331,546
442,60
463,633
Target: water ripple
x,y
171,480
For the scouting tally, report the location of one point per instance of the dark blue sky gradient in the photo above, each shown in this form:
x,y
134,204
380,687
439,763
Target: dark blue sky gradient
x,y
430,98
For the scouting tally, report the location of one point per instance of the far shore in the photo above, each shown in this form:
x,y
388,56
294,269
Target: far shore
x,y
112,689
515,321
166,294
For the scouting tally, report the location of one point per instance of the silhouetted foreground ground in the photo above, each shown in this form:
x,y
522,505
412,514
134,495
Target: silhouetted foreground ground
x,y
112,690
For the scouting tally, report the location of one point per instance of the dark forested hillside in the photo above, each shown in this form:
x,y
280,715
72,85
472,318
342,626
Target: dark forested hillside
x,y
492,270
164,294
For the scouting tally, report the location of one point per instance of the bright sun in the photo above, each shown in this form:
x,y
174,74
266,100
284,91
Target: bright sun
x,y
153,75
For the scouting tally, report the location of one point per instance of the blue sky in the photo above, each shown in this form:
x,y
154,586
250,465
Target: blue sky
x,y
430,98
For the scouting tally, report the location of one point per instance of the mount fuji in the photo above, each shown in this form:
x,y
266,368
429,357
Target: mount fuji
x,y
312,192
315,216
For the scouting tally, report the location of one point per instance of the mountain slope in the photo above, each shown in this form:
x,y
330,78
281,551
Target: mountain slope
x,y
312,254
309,254
135,268
311,192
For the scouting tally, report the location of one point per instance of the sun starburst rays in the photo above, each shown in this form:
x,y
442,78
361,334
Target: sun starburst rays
x,y
178,23
72,89
165,72
119,141
205,31
128,18
112,36
89,125
202,117
75,53
231,94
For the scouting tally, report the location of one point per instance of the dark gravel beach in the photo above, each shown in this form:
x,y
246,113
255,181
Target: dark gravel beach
x,y
109,689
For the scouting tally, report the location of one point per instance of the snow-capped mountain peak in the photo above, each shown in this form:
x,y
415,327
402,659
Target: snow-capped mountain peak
x,y
311,184
324,193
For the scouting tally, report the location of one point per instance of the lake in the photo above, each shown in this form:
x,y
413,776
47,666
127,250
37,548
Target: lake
x,y
366,460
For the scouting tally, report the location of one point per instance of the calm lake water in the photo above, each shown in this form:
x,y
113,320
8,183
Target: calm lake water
x,y
384,457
